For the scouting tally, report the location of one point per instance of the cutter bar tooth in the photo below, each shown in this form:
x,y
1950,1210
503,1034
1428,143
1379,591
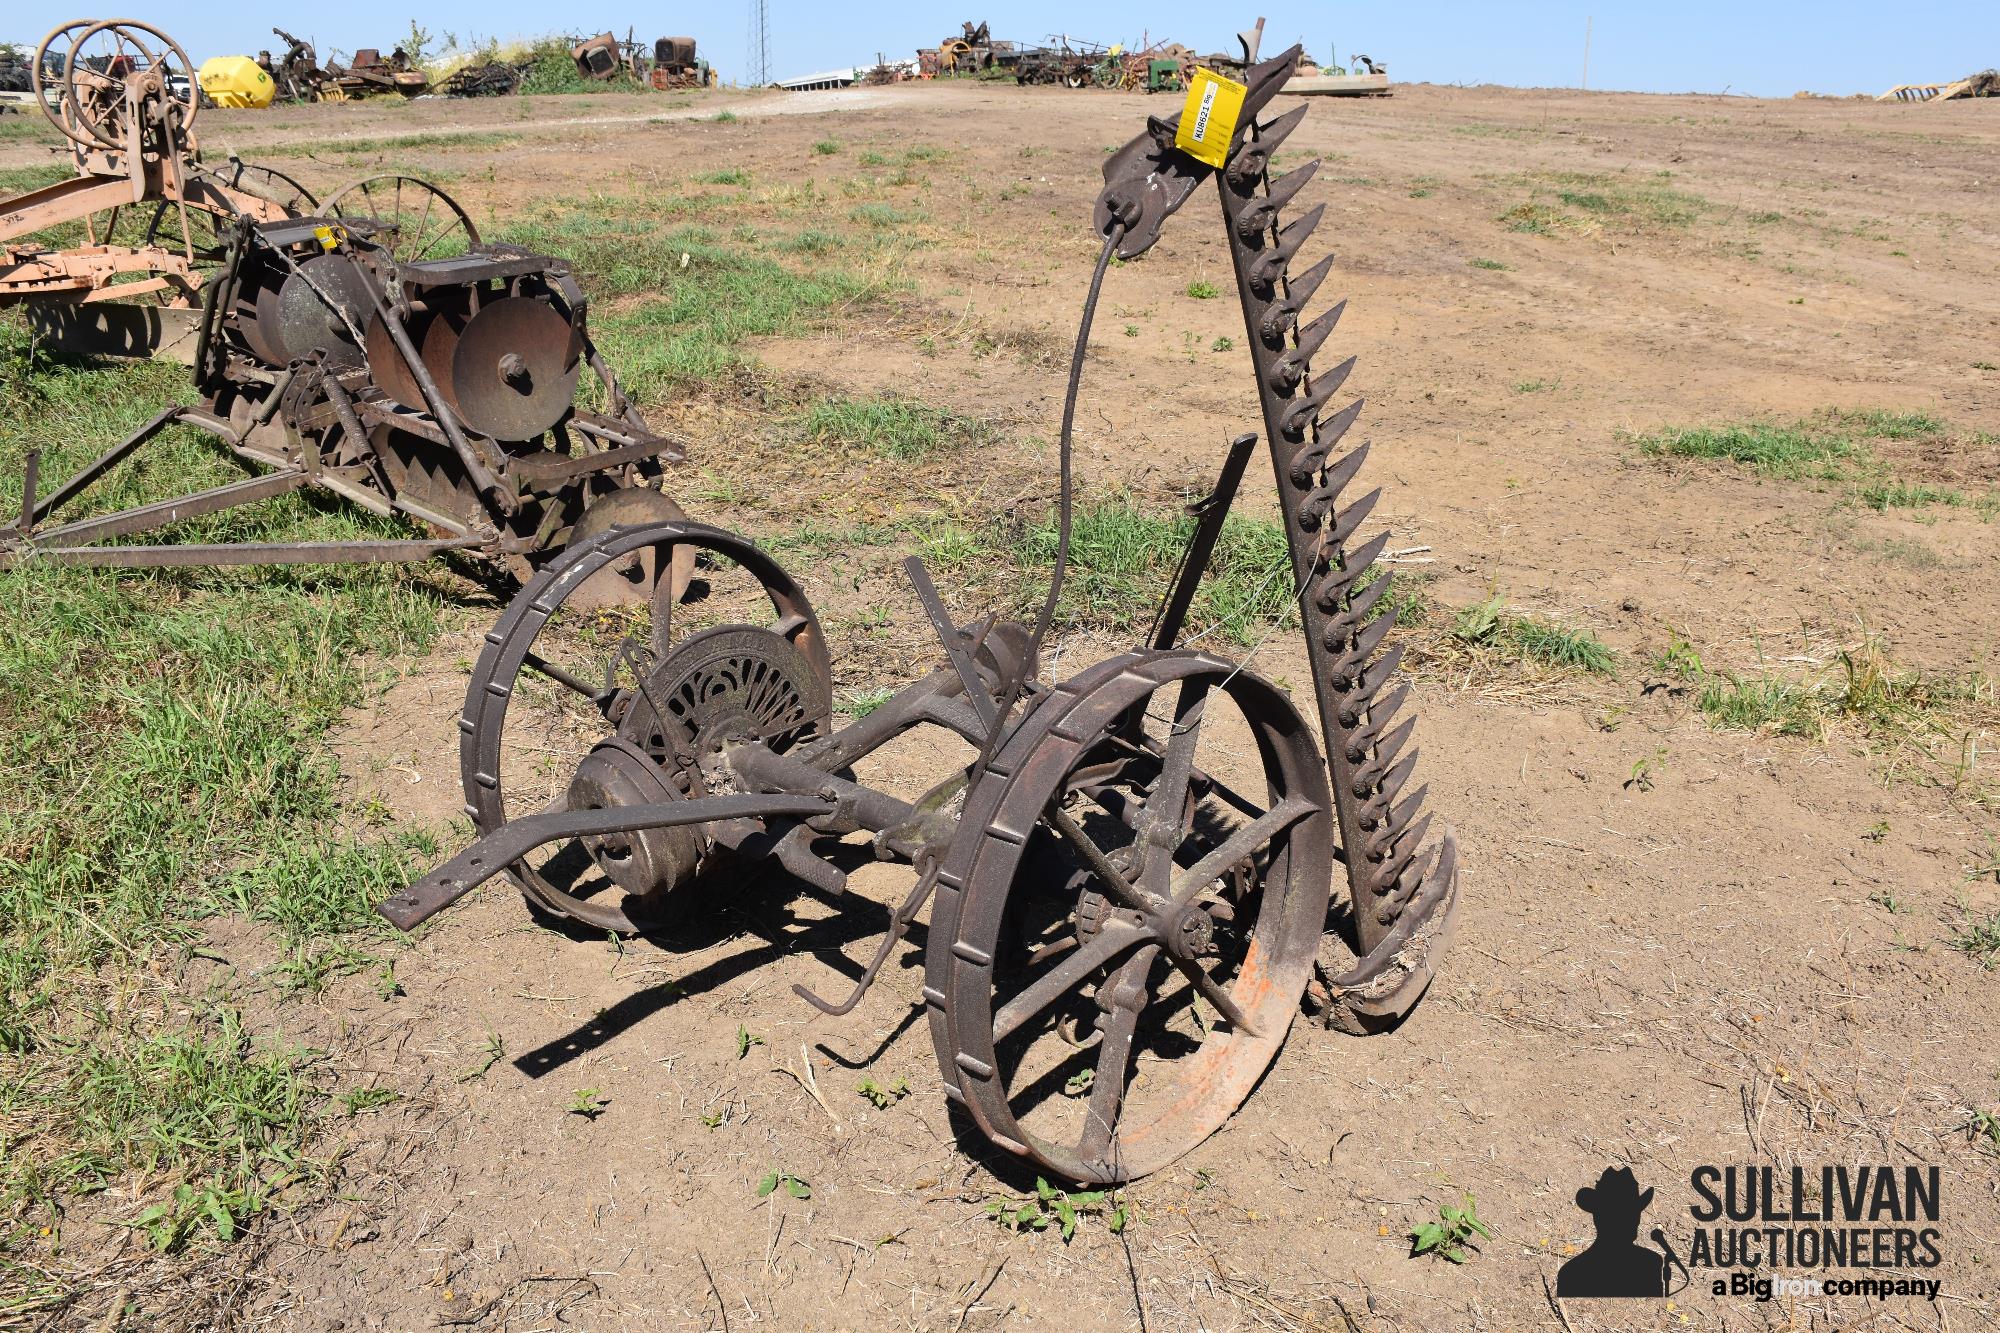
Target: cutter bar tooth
x,y
1269,267
1254,223
1380,714
1302,418
1335,586
1252,156
1277,321
1290,370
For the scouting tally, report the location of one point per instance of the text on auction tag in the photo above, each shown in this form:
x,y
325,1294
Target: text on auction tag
x,y
1208,121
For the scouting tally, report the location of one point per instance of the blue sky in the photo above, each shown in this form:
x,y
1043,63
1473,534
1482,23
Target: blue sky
x,y
1767,49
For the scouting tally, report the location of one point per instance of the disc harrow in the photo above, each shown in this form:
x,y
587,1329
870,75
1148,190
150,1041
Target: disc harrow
x,y
371,346
1137,870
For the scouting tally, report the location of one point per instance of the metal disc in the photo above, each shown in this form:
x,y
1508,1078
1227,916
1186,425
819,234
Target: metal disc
x,y
304,321
387,368
515,369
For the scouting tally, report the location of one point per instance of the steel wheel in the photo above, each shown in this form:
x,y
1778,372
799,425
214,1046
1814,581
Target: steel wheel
x,y
99,62
210,230
1154,833
582,673
415,219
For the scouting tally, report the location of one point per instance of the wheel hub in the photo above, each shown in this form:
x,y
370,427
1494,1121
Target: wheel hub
x,y
646,863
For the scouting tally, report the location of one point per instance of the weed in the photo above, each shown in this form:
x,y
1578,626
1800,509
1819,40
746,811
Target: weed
x,y
725,118
745,1039
1731,702
1679,660
1642,774
1451,1235
863,702
588,1103
1223,344
1535,386
884,1096
1984,1124
1063,1208
1492,265
1979,939
727,176
827,147
897,428
1201,289
795,1186
1122,554
1489,624
1888,901
491,1052
359,1101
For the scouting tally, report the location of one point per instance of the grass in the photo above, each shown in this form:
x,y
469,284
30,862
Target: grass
x,y
696,297
1492,265
1535,639
827,147
163,758
1585,203
727,176
1979,939
1203,290
893,427
1834,445
1123,553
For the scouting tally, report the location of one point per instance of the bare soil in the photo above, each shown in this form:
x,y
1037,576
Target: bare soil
x,y
1741,959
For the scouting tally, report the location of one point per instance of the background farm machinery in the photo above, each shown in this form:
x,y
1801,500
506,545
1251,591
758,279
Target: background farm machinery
x,y
368,345
1129,872
671,62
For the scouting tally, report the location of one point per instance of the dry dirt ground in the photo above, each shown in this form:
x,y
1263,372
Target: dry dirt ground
x,y
1677,945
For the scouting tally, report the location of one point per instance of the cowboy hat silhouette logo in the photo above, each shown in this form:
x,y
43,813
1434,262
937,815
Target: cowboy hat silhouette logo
x,y
1615,1264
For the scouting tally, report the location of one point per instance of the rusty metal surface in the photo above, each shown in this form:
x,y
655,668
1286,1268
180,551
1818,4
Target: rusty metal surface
x,y
373,344
1101,887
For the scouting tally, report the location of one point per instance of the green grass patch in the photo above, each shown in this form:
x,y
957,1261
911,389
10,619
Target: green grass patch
x,y
727,176
385,143
1490,625
164,757
1491,265
827,147
698,297
1123,554
893,427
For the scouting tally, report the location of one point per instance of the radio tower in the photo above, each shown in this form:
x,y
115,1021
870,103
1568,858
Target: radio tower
x,y
759,56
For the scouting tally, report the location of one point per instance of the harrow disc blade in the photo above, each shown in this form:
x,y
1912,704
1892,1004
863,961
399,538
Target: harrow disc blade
x,y
515,368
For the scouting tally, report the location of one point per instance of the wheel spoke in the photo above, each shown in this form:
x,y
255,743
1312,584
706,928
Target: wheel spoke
x,y
1166,806
1046,989
1100,865
1127,993
1239,846
1215,993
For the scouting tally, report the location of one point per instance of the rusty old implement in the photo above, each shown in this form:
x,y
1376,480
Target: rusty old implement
x,y
370,346
1128,869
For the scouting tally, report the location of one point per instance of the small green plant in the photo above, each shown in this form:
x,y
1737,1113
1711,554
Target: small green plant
x,y
1877,831
1678,660
1079,1083
863,702
745,1039
714,1119
1534,386
1979,939
359,1101
1063,1208
1642,772
1985,1124
491,1052
827,147
725,118
1201,289
884,1096
1131,330
727,176
1568,649
1492,265
1451,1235
1223,344
1887,901
794,1185
588,1103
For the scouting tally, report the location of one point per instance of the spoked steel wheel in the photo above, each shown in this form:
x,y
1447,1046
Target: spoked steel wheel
x,y
414,218
100,61
1126,922
584,707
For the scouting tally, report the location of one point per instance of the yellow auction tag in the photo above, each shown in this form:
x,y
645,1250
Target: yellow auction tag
x,y
1208,121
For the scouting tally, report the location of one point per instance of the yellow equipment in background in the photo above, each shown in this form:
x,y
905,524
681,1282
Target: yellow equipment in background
x,y
236,81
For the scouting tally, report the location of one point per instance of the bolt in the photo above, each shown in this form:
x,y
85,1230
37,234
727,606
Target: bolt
x,y
513,369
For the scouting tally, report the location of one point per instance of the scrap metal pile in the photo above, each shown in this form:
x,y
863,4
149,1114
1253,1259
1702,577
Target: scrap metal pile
x,y
672,63
1134,871
369,345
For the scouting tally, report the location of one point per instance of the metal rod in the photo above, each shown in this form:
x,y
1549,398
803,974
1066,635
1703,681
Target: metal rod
x,y
1210,514
32,475
109,459
241,553
160,513
954,645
